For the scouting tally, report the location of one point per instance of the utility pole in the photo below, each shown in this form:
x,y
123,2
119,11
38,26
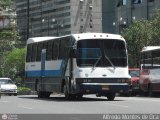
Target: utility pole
x,y
0,90
28,19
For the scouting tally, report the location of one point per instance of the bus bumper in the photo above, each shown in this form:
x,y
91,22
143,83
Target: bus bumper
x,y
90,88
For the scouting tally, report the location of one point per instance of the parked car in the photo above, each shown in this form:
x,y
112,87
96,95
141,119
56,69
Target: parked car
x,y
8,87
134,81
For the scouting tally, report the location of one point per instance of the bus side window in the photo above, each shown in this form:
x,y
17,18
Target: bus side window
x,y
56,50
39,49
65,46
44,45
29,51
49,50
33,54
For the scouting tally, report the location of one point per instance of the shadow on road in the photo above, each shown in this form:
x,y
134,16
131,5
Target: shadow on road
x,y
63,99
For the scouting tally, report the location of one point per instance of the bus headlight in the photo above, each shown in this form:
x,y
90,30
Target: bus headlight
x,y
128,80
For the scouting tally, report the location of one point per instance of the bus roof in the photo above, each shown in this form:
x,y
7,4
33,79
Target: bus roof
x,y
97,35
150,48
39,39
79,37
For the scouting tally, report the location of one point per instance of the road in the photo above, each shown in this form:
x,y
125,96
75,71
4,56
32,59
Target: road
x,y
88,105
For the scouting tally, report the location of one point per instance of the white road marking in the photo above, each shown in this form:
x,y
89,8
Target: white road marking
x,y
4,101
25,107
117,105
144,99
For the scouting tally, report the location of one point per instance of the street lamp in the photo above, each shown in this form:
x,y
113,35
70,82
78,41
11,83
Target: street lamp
x,y
121,23
58,25
42,27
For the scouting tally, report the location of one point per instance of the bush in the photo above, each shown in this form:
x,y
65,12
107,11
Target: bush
x,y
22,89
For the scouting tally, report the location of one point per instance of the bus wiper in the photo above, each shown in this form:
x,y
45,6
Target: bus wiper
x,y
109,60
96,62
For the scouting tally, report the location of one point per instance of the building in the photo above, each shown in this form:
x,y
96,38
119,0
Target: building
x,y
121,13
58,17
61,17
7,17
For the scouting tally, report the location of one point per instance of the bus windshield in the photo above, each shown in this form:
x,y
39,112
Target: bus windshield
x,y
90,52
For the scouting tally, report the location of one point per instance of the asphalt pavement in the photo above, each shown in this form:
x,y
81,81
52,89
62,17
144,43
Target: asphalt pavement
x,y
89,105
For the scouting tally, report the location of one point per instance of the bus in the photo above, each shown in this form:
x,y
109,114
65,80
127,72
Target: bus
x,y
77,65
150,70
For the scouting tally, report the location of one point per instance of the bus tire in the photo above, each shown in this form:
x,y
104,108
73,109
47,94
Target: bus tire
x,y
110,96
43,94
79,96
40,94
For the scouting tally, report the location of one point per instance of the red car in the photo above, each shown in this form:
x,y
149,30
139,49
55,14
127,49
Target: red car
x,y
134,82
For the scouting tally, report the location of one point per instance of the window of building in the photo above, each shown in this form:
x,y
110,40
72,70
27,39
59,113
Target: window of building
x,y
136,1
150,0
121,2
81,27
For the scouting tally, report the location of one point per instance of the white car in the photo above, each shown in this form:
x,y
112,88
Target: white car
x,y
7,86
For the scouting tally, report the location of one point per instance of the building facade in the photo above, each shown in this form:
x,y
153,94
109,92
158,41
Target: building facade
x,y
58,17
121,13
7,17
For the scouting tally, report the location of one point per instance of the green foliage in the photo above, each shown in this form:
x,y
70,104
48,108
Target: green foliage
x,y
8,39
14,62
139,34
23,89
5,2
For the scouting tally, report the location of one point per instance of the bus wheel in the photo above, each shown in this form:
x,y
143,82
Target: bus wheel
x,y
43,94
40,94
110,96
79,96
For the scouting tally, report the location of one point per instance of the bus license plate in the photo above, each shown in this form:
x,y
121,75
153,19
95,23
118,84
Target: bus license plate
x,y
105,87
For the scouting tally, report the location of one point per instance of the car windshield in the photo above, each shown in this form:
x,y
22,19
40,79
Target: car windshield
x,y
6,81
134,73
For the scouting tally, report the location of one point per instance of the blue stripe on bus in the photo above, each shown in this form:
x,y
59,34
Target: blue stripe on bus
x,y
47,73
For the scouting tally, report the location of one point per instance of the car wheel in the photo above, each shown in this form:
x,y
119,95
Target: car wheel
x,y
150,92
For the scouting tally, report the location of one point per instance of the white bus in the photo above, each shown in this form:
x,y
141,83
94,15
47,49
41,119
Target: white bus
x,y
77,64
150,70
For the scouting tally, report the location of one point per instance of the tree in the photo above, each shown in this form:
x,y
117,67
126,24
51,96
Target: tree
x,y
5,3
155,24
8,39
137,36
14,63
